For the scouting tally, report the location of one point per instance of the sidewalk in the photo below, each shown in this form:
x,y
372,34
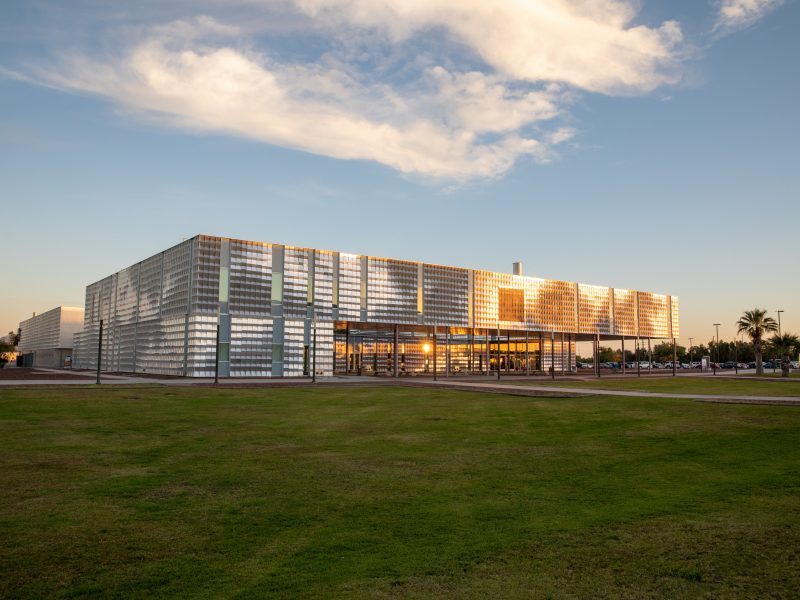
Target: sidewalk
x,y
453,383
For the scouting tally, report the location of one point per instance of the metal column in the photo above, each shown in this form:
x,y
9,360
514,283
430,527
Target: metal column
x,y
486,331
434,352
674,358
527,356
447,351
396,354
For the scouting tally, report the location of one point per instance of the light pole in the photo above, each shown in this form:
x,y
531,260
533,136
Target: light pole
x,y
691,348
715,364
779,321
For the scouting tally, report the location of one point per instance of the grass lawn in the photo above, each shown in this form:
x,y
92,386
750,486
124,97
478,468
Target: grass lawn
x,y
793,374
680,385
393,492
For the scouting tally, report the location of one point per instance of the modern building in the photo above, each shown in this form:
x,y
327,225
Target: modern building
x,y
261,309
46,339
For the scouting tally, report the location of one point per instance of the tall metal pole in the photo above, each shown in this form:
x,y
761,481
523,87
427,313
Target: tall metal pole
x,y
649,357
498,351
779,334
674,357
715,364
691,352
552,355
597,356
527,355
622,349
99,351
396,366
508,351
447,351
638,356
314,356
434,352
216,359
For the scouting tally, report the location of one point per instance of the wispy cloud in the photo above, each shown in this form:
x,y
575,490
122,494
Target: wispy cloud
x,y
433,88
734,15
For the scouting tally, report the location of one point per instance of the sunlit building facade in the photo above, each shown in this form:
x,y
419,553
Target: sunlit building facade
x,y
46,339
255,309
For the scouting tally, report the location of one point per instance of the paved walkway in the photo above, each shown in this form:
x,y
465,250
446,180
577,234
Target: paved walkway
x,y
502,387
553,391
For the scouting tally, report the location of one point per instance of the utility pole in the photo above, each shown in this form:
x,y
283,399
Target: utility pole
x,y
691,355
715,364
779,322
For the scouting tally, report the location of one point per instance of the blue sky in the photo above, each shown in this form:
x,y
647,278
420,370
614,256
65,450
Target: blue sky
x,y
646,145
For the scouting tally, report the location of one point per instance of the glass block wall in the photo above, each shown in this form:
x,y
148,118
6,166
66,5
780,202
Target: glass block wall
x,y
162,314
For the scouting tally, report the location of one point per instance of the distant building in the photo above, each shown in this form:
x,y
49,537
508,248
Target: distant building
x,y
272,310
46,339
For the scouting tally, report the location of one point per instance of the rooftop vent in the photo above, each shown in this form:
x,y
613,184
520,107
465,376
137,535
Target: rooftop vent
x,y
517,268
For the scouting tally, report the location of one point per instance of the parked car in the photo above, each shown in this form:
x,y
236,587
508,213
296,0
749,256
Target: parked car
x,y
729,364
742,365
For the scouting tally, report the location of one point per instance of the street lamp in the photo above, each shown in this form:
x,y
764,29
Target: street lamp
x,y
691,356
715,364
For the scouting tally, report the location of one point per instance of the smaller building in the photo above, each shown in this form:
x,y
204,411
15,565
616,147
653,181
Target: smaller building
x,y
46,339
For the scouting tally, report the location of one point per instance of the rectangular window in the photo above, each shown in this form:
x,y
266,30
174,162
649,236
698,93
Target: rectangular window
x,y
277,287
224,274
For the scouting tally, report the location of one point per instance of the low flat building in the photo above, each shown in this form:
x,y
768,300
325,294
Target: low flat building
x,y
46,339
245,308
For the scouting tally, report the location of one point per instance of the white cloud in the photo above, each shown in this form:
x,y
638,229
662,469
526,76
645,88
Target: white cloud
x,y
734,15
585,43
444,89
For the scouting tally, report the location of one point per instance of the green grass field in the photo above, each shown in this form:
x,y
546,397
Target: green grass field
x,y
393,492
678,385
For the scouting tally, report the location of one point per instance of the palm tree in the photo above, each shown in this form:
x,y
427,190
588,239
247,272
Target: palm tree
x,y
755,324
785,346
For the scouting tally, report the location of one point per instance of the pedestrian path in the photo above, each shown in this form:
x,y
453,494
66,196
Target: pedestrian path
x,y
453,383
581,391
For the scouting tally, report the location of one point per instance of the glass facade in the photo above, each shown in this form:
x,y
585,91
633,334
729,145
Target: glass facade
x,y
370,315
